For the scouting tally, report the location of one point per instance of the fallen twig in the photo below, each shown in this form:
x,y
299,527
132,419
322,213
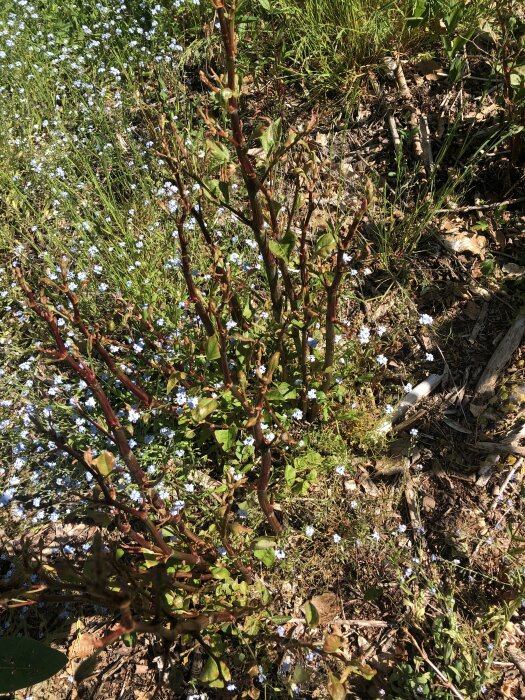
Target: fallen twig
x,y
411,399
501,489
481,207
447,683
507,346
500,448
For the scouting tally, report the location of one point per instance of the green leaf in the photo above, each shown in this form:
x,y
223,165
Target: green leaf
x,y
283,248
325,244
335,688
218,152
25,662
210,671
311,614
267,556
175,379
204,408
271,136
289,474
265,4
212,349
226,438
220,573
215,674
308,461
105,462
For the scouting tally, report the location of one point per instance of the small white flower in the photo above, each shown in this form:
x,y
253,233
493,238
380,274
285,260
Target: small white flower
x,y
312,394
426,320
340,470
297,414
381,360
280,554
381,330
133,415
336,538
429,357
408,387
364,335
414,432
309,530
389,409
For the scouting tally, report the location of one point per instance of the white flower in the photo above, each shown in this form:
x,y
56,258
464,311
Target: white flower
x,y
133,415
376,536
408,387
402,528
312,394
414,432
429,357
364,335
340,470
389,409
336,538
249,441
381,360
269,437
297,414
426,320
280,554
309,530
381,330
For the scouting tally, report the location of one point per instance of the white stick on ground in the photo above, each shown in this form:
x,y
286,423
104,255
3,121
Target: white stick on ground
x,y
411,399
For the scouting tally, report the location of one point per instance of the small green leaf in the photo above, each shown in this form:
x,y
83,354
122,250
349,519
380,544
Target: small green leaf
x,y
175,379
25,662
311,614
218,152
267,556
325,244
271,136
265,4
220,573
105,462
204,408
283,248
335,688
212,349
226,438
289,474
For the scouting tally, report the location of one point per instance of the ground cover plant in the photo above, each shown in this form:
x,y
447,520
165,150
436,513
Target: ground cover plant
x,y
255,259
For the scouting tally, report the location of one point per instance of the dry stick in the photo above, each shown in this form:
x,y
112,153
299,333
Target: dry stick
x,y
500,448
396,67
487,383
391,121
506,482
428,158
481,207
447,683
